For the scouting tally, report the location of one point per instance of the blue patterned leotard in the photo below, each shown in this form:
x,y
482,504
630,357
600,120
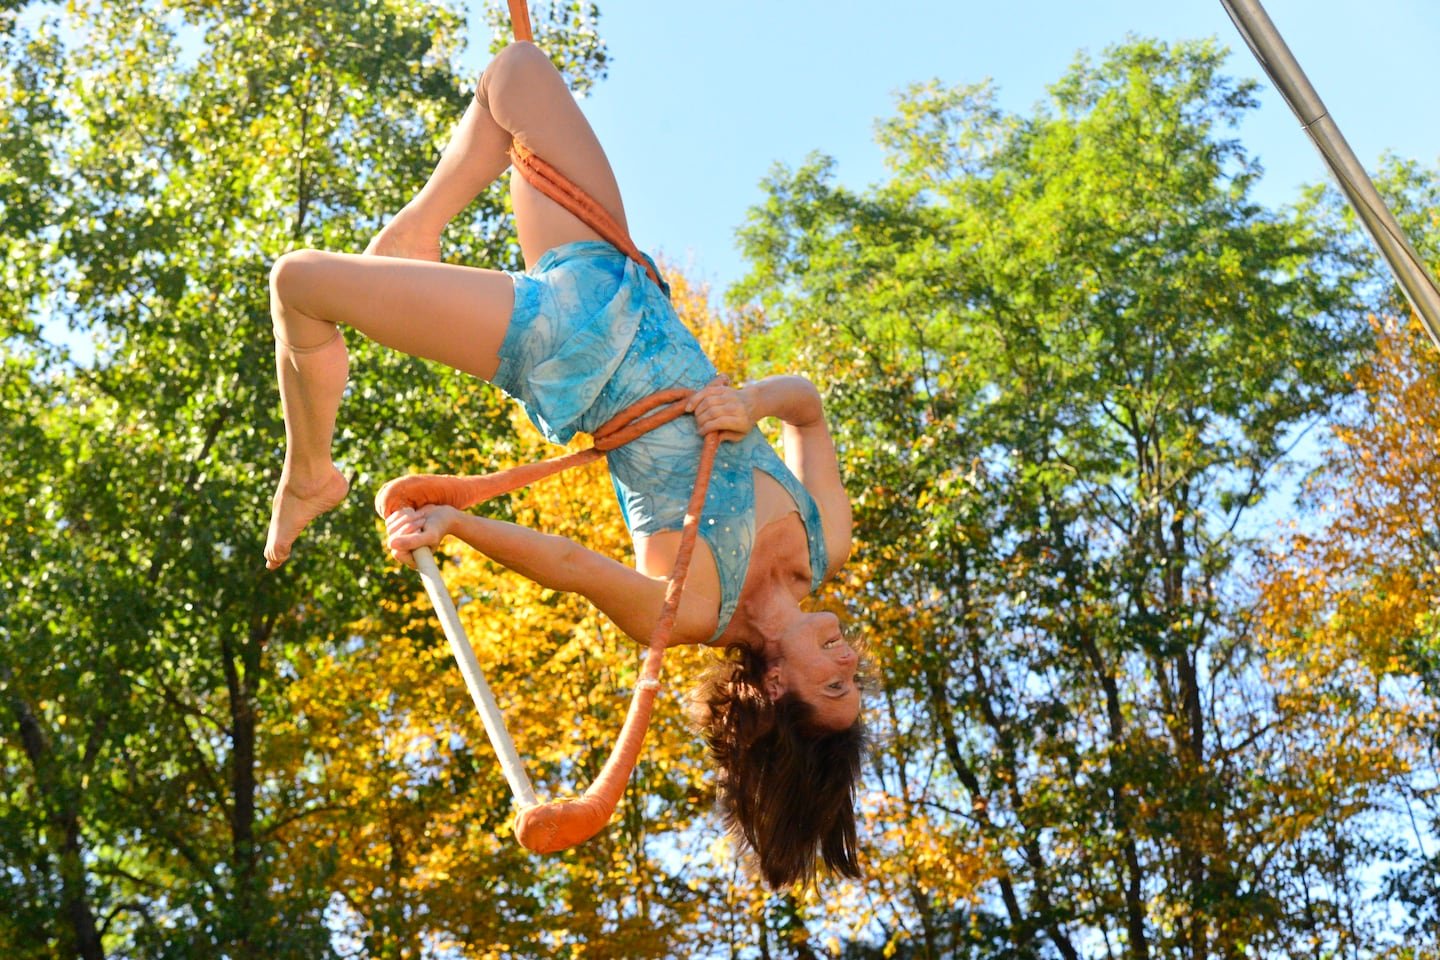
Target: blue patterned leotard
x,y
590,335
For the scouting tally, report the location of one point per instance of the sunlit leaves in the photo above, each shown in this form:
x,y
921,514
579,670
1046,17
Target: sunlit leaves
x,y
1349,598
1064,352
152,166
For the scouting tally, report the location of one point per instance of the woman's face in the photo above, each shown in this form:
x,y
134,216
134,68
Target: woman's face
x,y
818,665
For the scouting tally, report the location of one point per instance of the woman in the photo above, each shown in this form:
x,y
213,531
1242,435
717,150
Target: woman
x,y
580,335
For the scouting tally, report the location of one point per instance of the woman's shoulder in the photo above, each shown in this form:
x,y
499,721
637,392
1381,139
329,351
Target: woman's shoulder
x,y
800,530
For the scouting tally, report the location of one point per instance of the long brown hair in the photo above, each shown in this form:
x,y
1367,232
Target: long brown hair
x,y
786,786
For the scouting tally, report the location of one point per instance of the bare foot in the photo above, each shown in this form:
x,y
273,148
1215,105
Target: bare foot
x,y
294,507
397,239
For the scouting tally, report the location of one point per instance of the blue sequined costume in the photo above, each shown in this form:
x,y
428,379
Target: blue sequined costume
x,y
592,334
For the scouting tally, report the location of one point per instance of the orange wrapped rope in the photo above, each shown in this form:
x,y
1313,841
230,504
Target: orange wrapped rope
x,y
561,824
555,185
465,492
520,20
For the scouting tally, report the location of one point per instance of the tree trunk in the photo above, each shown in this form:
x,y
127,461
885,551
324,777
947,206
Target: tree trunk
x,y
1134,894
63,815
241,667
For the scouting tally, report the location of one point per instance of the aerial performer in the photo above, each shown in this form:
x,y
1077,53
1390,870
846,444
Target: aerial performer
x,y
583,333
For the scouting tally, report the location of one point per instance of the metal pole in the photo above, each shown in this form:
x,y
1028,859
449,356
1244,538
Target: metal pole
x,y
490,715
1284,71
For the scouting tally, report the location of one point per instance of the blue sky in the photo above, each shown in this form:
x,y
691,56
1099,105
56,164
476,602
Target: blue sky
x,y
703,98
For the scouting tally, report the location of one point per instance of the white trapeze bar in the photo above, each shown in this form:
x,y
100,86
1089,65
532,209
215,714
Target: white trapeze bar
x,y
490,714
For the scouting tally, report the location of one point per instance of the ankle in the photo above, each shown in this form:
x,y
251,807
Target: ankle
x,y
416,221
306,478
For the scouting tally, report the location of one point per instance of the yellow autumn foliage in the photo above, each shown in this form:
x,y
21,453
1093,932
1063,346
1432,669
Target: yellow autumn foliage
x,y
1340,605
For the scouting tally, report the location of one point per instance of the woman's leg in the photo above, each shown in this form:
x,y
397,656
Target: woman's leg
x,y
520,96
455,315
526,97
311,373
475,157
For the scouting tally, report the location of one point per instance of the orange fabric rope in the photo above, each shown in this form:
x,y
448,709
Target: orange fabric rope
x,y
555,185
560,188
561,824
464,492
520,20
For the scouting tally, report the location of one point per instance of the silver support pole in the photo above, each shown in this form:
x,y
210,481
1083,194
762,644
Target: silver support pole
x,y
1284,71
510,763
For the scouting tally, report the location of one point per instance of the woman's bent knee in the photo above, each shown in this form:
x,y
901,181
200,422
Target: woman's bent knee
x,y
521,63
293,271
520,57
294,279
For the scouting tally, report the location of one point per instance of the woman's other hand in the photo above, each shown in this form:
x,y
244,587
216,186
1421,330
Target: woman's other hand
x,y
407,529
720,408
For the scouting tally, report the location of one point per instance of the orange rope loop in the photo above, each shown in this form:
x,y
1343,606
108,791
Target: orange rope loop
x,y
560,824
555,185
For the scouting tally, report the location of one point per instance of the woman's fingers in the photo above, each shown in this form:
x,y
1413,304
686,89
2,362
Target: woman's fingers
x,y
405,529
400,518
716,406
720,409
722,425
711,396
703,395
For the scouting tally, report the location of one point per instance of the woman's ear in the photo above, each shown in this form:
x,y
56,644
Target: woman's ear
x,y
774,682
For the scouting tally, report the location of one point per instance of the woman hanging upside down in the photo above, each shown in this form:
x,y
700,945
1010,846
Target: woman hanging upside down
x,y
580,335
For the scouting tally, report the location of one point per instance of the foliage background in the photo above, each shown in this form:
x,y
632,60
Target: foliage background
x,y
1077,374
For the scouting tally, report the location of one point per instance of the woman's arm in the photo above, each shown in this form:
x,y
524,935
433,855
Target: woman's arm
x,y
626,596
809,450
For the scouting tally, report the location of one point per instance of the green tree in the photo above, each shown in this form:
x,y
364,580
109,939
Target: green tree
x,y
151,168
46,878
1068,354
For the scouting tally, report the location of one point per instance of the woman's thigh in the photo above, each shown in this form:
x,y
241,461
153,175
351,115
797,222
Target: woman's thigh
x,y
455,315
527,97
